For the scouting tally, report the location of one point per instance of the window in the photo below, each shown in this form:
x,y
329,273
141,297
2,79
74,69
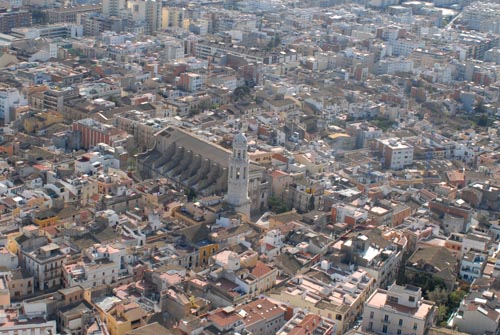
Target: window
x,y
393,299
371,315
411,299
386,318
415,326
400,322
384,329
370,326
399,331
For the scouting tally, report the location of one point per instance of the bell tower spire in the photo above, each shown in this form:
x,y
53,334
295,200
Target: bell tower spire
x,y
237,183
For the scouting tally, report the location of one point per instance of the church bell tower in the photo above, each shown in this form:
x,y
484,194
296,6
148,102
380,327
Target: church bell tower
x,y
237,183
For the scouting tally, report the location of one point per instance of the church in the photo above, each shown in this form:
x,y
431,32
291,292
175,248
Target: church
x,y
207,168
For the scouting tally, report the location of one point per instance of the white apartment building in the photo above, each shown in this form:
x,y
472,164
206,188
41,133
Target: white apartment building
x,y
147,11
45,265
98,90
342,301
90,273
8,260
472,265
10,98
404,47
400,310
393,65
478,313
272,243
102,265
475,242
172,50
63,30
12,322
395,153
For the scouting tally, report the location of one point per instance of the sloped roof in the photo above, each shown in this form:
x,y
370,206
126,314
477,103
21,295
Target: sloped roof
x,y
151,329
438,257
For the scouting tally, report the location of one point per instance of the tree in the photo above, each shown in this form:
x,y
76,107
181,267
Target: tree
x,y
483,220
438,295
311,203
274,42
276,205
277,40
482,121
456,297
442,313
479,109
241,92
190,193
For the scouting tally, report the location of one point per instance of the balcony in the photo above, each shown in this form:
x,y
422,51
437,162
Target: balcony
x,y
386,322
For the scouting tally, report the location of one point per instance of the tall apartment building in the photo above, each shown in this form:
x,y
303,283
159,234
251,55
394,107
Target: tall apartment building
x,y
55,98
398,310
71,14
482,16
396,154
113,7
94,132
172,17
10,98
147,11
45,265
14,19
191,82
94,24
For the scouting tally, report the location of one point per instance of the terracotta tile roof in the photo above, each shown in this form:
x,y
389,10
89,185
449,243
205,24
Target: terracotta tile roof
x,y
258,310
260,269
280,157
223,318
306,326
278,173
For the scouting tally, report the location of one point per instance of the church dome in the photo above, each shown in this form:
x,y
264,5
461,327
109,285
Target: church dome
x,y
240,141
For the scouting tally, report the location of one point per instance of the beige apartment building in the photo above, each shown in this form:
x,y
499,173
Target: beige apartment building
x,y
400,310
